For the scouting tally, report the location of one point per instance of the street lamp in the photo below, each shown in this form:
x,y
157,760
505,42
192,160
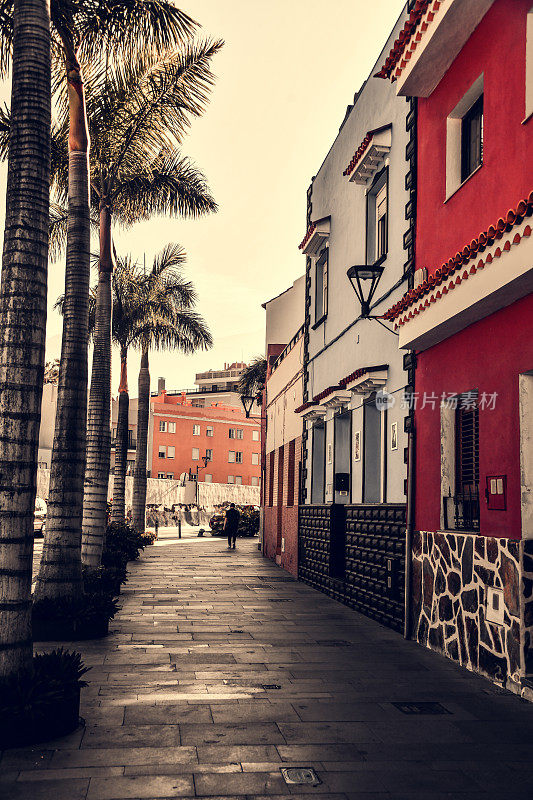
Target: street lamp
x,y
358,276
247,401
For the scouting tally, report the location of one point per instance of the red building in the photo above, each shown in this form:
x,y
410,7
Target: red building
x,y
468,321
182,434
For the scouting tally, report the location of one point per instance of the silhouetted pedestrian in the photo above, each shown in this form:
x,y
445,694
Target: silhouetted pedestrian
x,y
231,524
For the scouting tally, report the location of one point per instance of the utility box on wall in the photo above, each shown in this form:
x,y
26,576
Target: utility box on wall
x,y
496,492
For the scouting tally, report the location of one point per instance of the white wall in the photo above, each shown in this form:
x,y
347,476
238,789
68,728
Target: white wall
x,y
283,394
285,314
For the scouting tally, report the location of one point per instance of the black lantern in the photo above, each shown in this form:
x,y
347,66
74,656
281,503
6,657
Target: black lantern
x,y
361,274
247,401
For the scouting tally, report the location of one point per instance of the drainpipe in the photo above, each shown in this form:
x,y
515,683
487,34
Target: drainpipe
x,y
410,514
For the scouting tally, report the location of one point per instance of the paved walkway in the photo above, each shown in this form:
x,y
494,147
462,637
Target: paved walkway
x,y
221,670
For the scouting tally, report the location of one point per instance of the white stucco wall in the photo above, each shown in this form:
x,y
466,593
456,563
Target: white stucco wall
x,y
283,395
285,313
333,353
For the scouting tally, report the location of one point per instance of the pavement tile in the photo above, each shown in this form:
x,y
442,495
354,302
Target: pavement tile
x,y
122,756
327,732
223,754
132,735
140,786
75,789
251,783
231,733
166,714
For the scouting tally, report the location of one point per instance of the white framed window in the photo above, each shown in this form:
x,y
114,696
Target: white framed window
x,y
255,481
240,433
196,430
172,427
160,474
231,433
231,479
162,452
321,285
171,452
209,454
255,436
170,476
255,459
162,426
196,454
209,430
238,480
231,457
238,457
377,217
464,138
208,478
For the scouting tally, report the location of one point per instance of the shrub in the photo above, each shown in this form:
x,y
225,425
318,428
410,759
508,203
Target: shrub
x,y
89,609
103,580
148,538
122,544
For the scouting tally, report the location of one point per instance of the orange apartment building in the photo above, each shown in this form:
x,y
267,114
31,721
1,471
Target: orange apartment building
x,y
182,434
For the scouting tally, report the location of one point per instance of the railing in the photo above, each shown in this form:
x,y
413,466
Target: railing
x,y
284,353
461,511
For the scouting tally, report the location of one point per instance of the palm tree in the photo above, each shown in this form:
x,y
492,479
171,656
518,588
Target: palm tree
x,y
137,116
170,324
89,29
23,322
252,380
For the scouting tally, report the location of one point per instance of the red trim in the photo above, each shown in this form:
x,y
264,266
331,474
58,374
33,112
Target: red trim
x,y
307,236
358,154
304,407
359,373
515,216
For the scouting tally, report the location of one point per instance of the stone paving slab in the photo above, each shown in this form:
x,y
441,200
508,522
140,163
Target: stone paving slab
x,y
183,699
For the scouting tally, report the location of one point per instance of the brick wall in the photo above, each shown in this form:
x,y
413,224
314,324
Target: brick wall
x,y
280,532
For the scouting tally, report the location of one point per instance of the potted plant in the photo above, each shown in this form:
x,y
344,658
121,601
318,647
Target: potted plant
x,y
44,702
60,620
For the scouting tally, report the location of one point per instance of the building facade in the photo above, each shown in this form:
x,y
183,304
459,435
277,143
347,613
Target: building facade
x,y
468,321
183,434
359,214
282,426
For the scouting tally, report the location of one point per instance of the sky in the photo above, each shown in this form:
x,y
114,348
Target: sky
x,y
287,72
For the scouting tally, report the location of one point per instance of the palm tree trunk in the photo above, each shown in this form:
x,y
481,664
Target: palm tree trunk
x,y
118,513
60,569
23,322
98,425
143,414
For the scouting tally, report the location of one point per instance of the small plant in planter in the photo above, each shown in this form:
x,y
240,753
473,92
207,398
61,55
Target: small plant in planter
x,y
62,620
148,538
122,544
103,580
44,702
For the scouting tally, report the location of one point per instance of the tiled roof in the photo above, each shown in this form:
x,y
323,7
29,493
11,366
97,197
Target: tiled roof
x,y
341,385
409,36
456,265
359,373
304,406
307,236
358,153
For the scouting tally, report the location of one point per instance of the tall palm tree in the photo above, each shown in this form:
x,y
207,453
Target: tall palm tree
x,y
170,324
89,29
252,380
137,114
23,322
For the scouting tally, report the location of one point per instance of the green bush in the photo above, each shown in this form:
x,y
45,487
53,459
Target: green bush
x,y
122,544
103,580
89,609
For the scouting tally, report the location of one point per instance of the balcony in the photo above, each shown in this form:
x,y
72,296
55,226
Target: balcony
x,y
461,511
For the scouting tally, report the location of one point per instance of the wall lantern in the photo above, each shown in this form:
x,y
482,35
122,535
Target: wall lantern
x,y
364,279
247,401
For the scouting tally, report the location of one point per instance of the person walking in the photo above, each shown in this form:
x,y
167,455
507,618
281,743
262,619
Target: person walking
x,y
231,524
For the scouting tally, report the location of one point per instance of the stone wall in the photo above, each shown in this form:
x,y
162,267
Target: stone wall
x,y
451,573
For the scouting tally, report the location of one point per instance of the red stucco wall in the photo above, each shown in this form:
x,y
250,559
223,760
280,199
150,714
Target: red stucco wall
x,y
490,354
497,48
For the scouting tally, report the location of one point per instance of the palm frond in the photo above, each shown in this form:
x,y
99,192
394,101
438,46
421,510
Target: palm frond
x,y
6,35
5,127
252,380
169,185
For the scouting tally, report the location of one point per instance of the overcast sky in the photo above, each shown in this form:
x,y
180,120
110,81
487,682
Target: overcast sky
x,y
287,72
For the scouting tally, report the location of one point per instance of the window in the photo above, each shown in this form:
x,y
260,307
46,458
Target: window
x,y
130,467
377,218
461,502
318,463
373,451
255,481
231,433
162,426
271,457
170,476
196,430
162,452
209,455
238,457
209,430
172,427
240,433
464,137
208,478
290,473
472,139
231,479
255,459
231,456
160,474
321,285
255,436
238,480
171,451
195,454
